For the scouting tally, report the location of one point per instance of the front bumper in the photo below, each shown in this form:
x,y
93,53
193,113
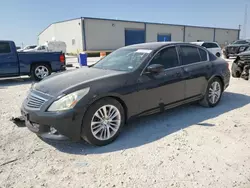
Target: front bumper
x,y
68,124
225,53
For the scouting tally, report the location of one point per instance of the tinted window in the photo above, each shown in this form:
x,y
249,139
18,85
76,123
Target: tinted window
x,y
210,45
167,57
189,55
203,55
4,47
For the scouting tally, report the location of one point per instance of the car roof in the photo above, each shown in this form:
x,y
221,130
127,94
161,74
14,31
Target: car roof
x,y
152,45
197,43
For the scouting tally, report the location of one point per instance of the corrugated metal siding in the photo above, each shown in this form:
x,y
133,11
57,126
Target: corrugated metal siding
x,y
107,35
152,31
192,34
70,32
224,37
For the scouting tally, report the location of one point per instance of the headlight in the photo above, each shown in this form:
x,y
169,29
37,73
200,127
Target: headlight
x,y
69,101
242,48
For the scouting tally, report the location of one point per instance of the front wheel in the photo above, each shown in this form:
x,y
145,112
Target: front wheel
x,y
213,93
103,121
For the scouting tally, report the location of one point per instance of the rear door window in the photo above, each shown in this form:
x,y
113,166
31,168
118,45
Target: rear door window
x,y
4,48
203,54
167,57
189,55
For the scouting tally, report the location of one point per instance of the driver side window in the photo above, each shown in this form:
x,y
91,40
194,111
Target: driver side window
x,y
167,57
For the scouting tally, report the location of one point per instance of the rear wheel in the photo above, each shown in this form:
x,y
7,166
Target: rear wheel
x,y
213,93
217,54
103,122
40,71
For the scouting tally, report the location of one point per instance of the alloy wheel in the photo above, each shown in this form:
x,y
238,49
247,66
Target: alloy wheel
x,y
106,122
214,92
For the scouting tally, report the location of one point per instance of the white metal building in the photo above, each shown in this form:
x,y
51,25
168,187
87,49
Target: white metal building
x,y
96,34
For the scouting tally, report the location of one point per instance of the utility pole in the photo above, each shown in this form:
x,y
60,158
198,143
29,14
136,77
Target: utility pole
x,y
239,36
245,23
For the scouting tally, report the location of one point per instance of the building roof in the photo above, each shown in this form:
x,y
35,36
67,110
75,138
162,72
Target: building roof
x,y
139,22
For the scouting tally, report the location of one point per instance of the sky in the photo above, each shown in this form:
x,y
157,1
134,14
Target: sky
x,y
22,20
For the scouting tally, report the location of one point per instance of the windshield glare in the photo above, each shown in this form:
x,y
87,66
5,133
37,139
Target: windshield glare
x,y
123,59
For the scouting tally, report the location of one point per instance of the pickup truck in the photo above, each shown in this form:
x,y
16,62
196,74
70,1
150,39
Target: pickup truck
x,y
38,65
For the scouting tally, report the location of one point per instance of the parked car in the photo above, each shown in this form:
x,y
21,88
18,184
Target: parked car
x,y
213,47
94,103
236,47
37,65
241,65
29,47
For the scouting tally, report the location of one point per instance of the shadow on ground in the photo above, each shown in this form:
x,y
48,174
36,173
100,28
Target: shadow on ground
x,y
7,82
152,128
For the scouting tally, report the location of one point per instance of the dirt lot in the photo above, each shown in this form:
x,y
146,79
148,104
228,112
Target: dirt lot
x,y
189,146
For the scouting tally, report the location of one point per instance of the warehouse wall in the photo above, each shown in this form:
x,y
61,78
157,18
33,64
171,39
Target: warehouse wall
x,y
69,31
46,35
224,36
192,34
152,31
107,34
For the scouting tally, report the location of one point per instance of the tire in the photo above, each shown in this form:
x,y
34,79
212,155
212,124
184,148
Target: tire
x,y
226,56
217,54
104,126
45,71
206,101
236,70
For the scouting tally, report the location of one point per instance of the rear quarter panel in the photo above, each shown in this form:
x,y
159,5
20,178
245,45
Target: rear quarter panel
x,y
221,69
26,59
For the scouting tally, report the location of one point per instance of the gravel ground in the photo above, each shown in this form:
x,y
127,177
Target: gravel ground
x,y
188,146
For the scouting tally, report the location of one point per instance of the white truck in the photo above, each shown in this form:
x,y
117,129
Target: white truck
x,y
51,46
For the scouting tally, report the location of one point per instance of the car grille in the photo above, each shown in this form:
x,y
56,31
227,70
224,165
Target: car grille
x,y
34,101
232,50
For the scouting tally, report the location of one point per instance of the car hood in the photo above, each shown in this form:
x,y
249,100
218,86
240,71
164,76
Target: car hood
x,y
245,56
60,82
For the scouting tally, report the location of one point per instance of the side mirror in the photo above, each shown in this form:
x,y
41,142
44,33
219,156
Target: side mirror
x,y
155,68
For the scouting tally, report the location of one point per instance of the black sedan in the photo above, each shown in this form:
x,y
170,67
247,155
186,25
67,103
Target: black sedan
x,y
94,103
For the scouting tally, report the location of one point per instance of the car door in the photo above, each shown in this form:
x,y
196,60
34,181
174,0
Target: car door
x,y
160,89
8,60
197,70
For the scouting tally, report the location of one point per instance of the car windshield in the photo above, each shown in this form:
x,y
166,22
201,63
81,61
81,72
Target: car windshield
x,y
124,59
241,42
